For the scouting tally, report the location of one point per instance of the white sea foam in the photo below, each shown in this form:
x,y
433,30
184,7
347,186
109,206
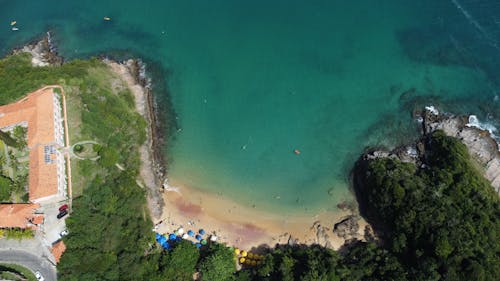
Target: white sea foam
x,y
143,74
432,109
168,187
474,122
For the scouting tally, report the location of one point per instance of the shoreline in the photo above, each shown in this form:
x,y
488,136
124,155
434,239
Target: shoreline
x,y
248,228
171,208
152,163
233,224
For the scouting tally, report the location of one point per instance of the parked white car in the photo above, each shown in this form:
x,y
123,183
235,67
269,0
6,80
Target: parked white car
x,y
39,276
64,233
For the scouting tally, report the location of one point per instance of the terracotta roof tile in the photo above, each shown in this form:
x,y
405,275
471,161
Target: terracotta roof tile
x,y
38,219
58,249
37,109
17,215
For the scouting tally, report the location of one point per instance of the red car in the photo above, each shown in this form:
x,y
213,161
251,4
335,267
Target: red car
x,y
63,207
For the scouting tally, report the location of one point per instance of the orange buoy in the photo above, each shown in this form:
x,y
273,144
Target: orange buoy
x,y
296,151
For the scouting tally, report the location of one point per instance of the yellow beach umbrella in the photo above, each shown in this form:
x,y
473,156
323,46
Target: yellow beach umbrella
x,y
244,253
237,251
253,263
250,255
242,260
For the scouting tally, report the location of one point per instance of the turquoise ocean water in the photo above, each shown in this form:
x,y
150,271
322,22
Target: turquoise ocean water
x,y
250,81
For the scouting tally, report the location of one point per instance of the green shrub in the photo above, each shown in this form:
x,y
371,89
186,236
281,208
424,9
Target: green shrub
x,y
19,234
78,148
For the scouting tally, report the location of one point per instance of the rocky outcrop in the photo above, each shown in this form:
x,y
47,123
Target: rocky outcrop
x,y
43,52
348,227
480,142
152,169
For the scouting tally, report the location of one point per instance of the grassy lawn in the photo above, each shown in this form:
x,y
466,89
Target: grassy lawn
x,y
13,271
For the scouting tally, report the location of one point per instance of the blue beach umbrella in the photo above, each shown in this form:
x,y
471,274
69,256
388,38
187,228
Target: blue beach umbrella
x,y
162,239
191,233
198,245
158,236
202,231
172,236
178,239
198,237
166,246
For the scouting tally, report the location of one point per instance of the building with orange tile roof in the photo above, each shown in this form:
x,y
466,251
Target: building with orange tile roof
x,y
38,219
57,250
19,216
40,112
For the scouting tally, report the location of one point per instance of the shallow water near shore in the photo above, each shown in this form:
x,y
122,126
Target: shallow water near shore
x,y
251,81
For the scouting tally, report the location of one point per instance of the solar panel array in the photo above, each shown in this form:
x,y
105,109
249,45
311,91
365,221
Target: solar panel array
x,y
49,150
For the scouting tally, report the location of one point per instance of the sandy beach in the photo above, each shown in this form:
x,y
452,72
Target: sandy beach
x,y
246,227
233,223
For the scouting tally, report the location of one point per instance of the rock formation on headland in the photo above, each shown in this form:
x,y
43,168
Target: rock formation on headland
x,y
480,143
43,52
152,163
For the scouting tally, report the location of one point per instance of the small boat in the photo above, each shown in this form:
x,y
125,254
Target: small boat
x,y
296,151
107,18
15,29
13,22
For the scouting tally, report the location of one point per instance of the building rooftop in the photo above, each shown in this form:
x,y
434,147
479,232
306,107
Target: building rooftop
x,y
37,110
58,249
19,215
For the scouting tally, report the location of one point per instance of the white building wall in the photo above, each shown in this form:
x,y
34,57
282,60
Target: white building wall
x,y
59,139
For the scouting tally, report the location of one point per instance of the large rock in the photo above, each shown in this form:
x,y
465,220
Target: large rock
x,y
480,143
348,227
43,52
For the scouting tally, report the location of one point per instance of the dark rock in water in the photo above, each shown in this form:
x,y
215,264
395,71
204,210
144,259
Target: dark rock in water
x,y
433,45
407,94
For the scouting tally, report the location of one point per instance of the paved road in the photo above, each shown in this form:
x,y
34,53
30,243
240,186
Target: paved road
x,y
30,261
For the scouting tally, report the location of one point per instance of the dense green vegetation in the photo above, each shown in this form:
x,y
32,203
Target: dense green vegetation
x,y
14,165
441,221
436,222
16,233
